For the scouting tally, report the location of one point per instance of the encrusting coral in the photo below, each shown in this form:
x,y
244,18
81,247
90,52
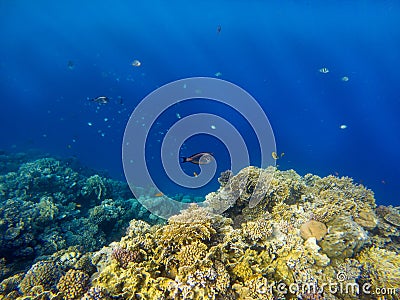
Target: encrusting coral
x,y
305,232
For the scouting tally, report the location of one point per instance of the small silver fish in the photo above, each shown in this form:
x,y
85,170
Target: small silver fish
x,y
101,100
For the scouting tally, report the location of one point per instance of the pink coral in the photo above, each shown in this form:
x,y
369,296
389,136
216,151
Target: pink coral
x,y
125,256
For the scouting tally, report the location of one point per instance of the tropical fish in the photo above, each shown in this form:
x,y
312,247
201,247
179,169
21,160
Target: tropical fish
x,y
219,28
201,158
323,70
195,174
158,194
276,156
345,78
136,63
101,100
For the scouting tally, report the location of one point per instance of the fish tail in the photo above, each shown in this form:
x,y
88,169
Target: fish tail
x,y
184,159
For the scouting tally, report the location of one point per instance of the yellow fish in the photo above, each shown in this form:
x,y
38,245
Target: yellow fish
x,y
276,156
195,174
158,194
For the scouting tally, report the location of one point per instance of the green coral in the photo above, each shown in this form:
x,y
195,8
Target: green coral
x,y
95,188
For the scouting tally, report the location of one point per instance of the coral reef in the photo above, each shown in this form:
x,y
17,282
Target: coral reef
x,y
46,206
305,237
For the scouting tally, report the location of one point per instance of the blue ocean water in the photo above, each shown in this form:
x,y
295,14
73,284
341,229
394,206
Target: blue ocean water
x,y
54,57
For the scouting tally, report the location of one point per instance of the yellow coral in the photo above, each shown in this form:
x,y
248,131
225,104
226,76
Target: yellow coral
x,y
73,284
243,270
191,253
382,267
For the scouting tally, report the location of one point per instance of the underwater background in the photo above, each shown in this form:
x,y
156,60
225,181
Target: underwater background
x,y
55,56
326,75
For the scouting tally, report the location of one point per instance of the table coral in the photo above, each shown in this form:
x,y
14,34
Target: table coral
x,y
393,218
313,228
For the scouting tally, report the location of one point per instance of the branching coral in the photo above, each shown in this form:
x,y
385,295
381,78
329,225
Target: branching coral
x,y
258,230
96,293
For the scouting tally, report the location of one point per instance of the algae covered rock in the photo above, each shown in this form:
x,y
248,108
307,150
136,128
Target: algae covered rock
x,y
366,219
